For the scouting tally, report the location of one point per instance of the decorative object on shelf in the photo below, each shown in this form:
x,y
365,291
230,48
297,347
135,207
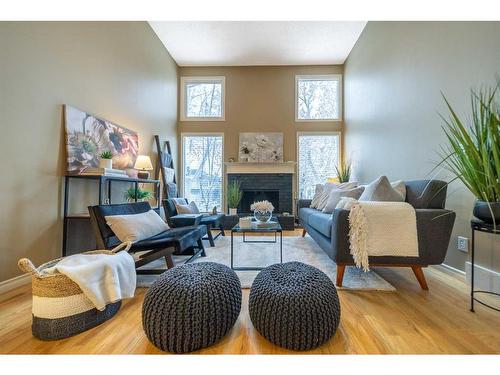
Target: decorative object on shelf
x,y
139,195
214,210
473,153
88,136
261,147
344,171
110,172
231,160
262,211
234,195
143,165
106,160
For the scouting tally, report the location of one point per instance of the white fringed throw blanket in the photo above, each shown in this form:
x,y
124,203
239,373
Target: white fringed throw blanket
x,y
382,229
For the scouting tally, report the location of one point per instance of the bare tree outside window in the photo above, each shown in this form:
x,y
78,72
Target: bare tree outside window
x,y
318,98
202,156
204,100
318,156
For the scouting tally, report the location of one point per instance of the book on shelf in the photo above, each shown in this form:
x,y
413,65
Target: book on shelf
x,y
110,172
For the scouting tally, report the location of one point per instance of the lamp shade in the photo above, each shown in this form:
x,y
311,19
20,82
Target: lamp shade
x,y
143,163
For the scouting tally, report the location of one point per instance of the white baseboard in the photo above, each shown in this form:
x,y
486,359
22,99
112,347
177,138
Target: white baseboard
x,y
484,278
13,283
453,269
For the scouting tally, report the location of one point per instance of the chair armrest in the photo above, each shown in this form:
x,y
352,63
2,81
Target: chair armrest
x,y
184,220
303,203
434,227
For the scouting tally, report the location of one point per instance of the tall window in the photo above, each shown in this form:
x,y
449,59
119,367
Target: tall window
x,y
318,154
202,98
318,97
202,156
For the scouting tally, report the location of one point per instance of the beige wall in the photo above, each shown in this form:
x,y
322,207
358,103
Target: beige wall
x,y
259,98
393,78
117,70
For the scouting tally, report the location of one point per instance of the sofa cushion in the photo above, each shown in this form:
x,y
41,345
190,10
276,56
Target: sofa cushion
x,y
381,190
305,213
136,227
328,189
337,194
317,195
322,223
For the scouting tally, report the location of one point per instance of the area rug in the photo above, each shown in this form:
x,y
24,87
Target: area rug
x,y
299,249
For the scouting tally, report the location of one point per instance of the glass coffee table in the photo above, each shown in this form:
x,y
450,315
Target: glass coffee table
x,y
269,227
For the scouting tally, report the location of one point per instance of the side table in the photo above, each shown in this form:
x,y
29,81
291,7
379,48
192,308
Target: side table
x,y
480,226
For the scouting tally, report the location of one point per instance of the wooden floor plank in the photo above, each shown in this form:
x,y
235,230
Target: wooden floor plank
x,y
407,321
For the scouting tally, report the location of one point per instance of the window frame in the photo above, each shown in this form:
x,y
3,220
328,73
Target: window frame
x,y
319,77
315,133
203,134
201,79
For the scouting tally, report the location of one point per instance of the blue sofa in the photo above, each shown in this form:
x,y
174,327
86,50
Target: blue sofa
x,y
434,227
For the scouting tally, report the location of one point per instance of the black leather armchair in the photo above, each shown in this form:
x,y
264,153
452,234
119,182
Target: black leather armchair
x,y
178,241
210,221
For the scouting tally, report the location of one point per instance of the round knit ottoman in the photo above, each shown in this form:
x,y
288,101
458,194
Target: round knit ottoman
x,y
294,305
191,306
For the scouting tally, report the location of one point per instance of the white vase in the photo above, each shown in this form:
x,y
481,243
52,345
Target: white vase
x,y
106,163
233,211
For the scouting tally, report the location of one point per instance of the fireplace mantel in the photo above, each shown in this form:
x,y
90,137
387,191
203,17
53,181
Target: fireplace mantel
x,y
240,168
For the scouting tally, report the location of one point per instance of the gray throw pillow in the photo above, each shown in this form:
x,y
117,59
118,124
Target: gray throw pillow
x,y
190,208
337,194
381,190
317,195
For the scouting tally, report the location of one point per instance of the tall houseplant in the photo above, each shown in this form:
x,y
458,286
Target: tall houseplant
x,y
473,151
234,195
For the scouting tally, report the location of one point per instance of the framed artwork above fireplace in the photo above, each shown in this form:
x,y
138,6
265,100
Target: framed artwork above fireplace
x,y
261,148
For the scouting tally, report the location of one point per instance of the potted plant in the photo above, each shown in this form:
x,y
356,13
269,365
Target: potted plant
x,y
142,195
106,160
344,171
472,154
234,195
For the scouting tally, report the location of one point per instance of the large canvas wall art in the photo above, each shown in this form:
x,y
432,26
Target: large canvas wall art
x,y
88,136
261,147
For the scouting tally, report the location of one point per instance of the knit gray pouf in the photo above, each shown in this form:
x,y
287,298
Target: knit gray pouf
x,y
294,305
191,306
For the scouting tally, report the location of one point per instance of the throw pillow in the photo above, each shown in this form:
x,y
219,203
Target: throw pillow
x,y
381,190
136,227
317,195
328,189
337,194
169,174
400,187
346,203
190,208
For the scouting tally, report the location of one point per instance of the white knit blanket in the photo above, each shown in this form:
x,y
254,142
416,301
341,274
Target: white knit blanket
x,y
382,229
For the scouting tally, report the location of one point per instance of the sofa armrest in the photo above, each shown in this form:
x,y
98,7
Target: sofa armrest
x,y
340,236
434,227
184,220
303,203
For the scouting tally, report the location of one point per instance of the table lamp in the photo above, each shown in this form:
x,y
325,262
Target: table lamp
x,y
143,165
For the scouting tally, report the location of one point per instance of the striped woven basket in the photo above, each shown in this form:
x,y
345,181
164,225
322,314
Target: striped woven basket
x,y
60,309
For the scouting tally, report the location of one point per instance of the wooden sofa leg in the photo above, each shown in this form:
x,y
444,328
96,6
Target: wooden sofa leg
x,y
169,260
303,232
419,274
340,274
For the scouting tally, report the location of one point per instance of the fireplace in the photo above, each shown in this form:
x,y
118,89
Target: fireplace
x,y
275,187
250,196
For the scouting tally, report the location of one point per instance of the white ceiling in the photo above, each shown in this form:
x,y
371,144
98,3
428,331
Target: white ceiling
x,y
240,43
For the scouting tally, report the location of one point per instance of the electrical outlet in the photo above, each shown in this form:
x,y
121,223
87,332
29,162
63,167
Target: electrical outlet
x,y
463,244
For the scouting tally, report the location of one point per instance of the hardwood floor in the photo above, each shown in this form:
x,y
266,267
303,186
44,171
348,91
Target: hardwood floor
x,y
410,320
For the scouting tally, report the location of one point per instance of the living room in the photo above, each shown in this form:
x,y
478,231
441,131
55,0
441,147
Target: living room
x,y
252,187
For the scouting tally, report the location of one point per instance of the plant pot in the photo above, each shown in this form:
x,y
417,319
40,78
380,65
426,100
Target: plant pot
x,y
262,217
106,163
483,210
233,211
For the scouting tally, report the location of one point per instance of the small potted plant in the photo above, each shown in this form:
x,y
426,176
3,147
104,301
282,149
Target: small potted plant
x,y
473,151
106,160
344,171
262,211
142,195
234,195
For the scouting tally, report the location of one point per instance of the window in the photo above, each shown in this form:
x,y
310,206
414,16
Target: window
x,y
202,170
318,97
202,98
318,154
